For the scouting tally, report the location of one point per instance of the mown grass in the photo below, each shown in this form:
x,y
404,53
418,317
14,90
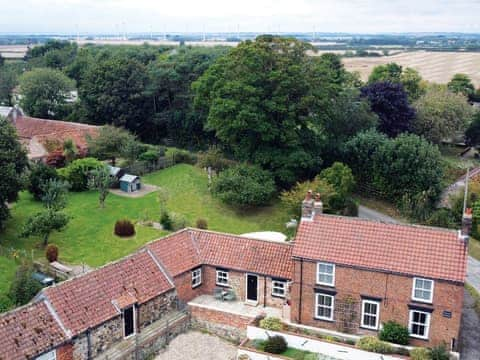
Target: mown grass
x,y
89,238
476,297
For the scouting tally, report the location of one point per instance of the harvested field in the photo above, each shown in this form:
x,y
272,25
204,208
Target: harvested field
x,y
437,67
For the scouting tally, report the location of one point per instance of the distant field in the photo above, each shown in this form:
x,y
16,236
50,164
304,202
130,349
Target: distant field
x,y
13,51
437,67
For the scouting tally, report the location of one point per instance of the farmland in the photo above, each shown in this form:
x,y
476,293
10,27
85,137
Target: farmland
x,y
437,67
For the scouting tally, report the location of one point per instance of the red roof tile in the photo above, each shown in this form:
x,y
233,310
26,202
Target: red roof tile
x,y
29,331
86,301
406,249
189,248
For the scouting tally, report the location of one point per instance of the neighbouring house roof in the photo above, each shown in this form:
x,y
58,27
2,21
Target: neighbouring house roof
x,y
29,331
34,132
189,248
93,298
405,249
129,178
114,170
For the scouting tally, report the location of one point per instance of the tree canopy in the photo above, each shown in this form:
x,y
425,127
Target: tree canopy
x,y
462,84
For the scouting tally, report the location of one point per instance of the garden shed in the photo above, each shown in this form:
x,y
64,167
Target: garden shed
x,y
130,183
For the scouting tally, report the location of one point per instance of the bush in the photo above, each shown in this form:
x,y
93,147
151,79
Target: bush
x,y
271,323
124,228
439,352
202,224
351,208
340,177
51,253
166,221
78,172
275,345
39,175
420,354
178,221
182,156
371,343
395,333
442,218
214,158
6,303
244,185
56,159
24,287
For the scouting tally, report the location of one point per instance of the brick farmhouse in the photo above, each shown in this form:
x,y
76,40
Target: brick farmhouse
x,y
343,274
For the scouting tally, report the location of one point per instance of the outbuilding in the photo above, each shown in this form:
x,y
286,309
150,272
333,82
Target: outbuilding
x,y
130,183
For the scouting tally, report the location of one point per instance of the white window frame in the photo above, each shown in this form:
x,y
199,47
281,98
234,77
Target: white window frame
x,y
51,355
427,324
134,321
324,273
283,287
430,300
332,308
196,277
220,276
377,314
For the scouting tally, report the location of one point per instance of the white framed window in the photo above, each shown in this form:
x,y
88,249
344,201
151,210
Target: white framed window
x,y
279,288
422,290
51,355
370,314
196,277
324,306
326,274
222,277
419,324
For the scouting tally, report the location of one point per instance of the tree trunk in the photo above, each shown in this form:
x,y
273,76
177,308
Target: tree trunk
x,y
45,240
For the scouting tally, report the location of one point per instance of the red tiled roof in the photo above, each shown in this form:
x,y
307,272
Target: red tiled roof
x,y
406,249
189,248
86,301
43,129
177,252
29,331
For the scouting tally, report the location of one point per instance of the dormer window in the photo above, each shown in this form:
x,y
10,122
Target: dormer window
x,y
325,274
422,290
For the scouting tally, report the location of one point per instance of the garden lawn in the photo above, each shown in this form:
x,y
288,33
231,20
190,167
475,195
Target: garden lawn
x,y
89,238
7,273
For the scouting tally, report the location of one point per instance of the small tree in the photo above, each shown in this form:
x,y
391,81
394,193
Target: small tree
x,y
24,287
110,142
69,150
462,84
43,224
39,175
101,180
55,194
340,177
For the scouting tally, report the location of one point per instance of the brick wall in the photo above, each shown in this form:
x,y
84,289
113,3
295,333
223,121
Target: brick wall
x,y
395,292
65,352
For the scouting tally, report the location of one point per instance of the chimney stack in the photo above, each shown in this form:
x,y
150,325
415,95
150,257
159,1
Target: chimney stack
x,y
467,223
307,206
317,205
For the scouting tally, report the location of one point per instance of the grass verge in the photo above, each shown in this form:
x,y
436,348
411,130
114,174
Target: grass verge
x,y
476,297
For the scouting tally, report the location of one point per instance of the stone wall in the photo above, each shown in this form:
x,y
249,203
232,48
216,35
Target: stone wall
x,y
395,292
155,309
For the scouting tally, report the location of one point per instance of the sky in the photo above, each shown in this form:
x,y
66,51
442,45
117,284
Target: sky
x,y
353,16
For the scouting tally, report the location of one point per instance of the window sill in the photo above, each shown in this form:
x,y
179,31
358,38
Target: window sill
x,y
430,302
419,338
222,285
278,296
196,286
323,319
367,328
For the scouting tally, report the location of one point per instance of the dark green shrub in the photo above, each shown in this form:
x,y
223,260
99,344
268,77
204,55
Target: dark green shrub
x,y
6,303
179,221
166,221
24,287
439,352
371,343
78,172
275,345
39,175
182,156
51,253
351,208
395,333
124,228
442,218
420,354
244,185
271,323
202,224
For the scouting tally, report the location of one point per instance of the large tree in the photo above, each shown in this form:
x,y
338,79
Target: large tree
x,y
44,92
110,142
13,161
472,135
390,102
112,92
265,100
441,113
462,84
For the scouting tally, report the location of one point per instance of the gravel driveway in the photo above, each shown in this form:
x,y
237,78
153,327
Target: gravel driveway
x,y
198,346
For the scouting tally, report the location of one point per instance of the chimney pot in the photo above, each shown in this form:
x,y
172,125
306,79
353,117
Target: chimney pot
x,y
467,222
307,206
318,205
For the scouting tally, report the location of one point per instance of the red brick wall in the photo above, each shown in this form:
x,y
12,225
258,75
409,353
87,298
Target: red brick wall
x,y
395,291
183,284
219,317
65,352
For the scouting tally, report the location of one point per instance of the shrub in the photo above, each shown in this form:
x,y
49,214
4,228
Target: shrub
x,y
78,172
371,343
214,158
124,228
56,159
178,221
351,208
182,156
439,352
395,333
51,253
23,287
244,185
271,323
275,345
166,221
420,354
202,223
443,218
340,177
6,303
39,175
